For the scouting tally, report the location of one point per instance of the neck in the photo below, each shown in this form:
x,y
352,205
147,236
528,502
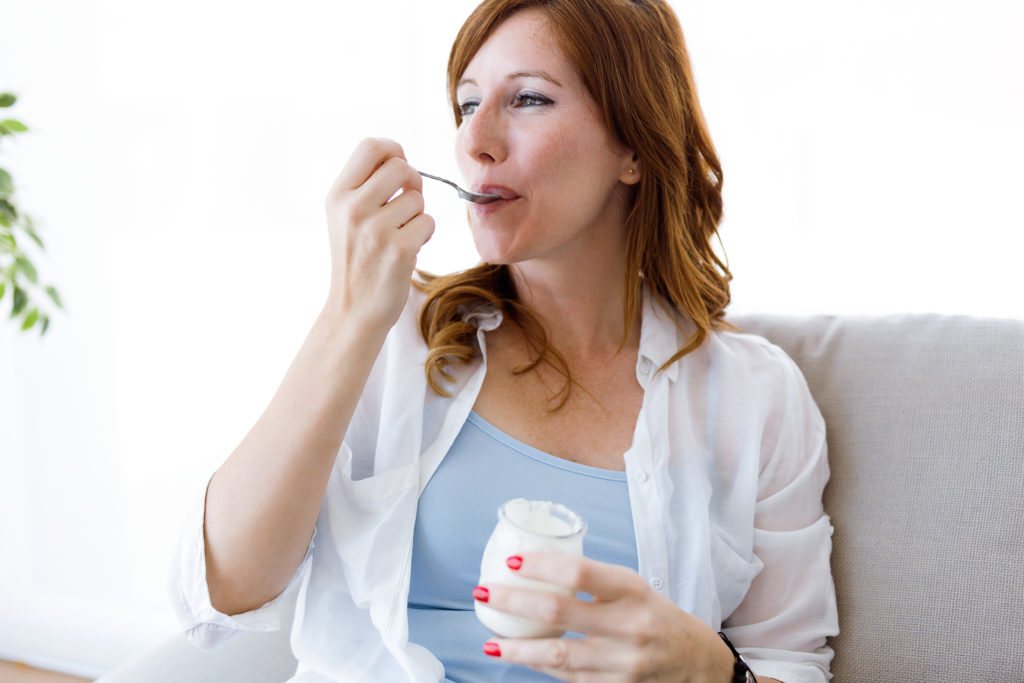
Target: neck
x,y
580,305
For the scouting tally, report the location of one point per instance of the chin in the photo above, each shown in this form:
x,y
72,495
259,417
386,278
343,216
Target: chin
x,y
495,259
492,252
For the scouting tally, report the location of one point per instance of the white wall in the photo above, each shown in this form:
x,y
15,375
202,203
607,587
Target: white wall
x,y
178,164
871,152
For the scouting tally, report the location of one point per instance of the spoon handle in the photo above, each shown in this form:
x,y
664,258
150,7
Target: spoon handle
x,y
474,197
446,182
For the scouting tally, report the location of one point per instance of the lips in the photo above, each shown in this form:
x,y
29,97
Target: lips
x,y
500,190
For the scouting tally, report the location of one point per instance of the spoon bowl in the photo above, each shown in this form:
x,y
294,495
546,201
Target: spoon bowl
x,y
475,197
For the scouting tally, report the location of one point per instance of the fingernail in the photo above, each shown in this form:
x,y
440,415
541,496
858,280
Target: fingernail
x,y
492,649
481,594
514,562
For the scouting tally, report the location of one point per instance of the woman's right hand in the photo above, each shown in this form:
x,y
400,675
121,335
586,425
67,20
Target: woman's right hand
x,y
374,234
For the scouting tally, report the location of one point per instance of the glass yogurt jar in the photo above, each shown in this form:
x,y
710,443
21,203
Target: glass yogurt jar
x,y
527,526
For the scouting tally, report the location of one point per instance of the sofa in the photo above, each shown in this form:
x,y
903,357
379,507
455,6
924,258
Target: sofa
x,y
925,417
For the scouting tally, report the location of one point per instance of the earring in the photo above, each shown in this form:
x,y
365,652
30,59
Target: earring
x,y
630,171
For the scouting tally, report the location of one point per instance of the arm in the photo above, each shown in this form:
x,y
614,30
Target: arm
x,y
780,627
262,503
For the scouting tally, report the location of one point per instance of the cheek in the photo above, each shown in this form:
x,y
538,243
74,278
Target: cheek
x,y
559,156
578,142
460,147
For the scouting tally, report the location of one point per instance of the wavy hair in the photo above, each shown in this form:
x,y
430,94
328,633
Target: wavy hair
x,y
633,61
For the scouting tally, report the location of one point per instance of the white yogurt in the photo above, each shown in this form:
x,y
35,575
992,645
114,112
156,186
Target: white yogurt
x,y
527,526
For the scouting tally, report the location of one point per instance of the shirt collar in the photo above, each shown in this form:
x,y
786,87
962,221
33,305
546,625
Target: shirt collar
x,y
485,316
661,334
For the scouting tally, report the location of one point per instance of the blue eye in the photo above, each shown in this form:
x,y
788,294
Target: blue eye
x,y
523,99
529,99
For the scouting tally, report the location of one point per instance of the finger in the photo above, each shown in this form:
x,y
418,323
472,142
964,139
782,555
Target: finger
x,y
569,658
394,174
366,158
399,210
556,610
417,232
606,582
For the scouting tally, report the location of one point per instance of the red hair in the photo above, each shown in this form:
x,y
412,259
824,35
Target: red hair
x,y
631,57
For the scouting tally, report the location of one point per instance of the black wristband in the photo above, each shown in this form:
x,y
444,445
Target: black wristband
x,y
741,673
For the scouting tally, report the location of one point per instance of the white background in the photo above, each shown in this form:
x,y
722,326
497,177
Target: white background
x,y
178,163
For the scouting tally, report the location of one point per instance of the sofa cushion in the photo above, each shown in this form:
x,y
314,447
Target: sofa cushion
x,y
246,657
925,418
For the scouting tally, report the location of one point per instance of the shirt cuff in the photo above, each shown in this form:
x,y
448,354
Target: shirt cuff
x,y
783,666
204,626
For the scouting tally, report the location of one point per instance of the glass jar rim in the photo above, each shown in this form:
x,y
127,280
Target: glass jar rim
x,y
565,513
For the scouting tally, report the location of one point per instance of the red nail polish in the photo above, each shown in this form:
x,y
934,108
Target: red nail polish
x,y
481,594
492,649
514,562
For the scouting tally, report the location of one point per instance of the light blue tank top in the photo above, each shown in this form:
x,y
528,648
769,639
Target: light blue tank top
x,y
457,512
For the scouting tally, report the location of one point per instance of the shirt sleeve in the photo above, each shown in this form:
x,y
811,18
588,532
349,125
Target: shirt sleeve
x,y
780,627
203,625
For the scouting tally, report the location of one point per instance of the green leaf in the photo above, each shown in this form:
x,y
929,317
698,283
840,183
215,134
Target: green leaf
x,y
7,99
6,184
45,326
4,130
54,296
14,126
30,319
30,231
20,299
8,211
7,242
3,288
26,267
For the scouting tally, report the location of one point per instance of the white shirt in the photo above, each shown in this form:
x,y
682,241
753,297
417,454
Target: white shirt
x,y
726,472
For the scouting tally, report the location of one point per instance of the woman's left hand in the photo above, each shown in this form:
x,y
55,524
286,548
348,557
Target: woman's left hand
x,y
632,632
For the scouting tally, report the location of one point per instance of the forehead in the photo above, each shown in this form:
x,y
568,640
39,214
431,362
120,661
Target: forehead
x,y
524,42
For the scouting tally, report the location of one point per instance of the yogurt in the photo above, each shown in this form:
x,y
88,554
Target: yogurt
x,y
527,526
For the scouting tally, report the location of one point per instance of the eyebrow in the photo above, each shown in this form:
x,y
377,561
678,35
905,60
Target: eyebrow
x,y
518,74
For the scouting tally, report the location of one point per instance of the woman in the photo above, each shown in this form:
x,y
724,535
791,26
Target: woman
x,y
585,360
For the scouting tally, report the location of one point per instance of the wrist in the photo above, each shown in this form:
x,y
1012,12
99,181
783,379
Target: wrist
x,y
341,312
739,672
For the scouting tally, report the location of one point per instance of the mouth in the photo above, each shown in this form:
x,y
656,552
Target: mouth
x,y
506,194
508,198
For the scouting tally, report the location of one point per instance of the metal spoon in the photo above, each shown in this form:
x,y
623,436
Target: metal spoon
x,y
474,197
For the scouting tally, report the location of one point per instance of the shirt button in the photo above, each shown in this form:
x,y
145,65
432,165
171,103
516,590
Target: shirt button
x,y
657,584
640,477
646,366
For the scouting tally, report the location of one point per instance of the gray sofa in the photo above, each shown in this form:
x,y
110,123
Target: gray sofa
x,y
925,420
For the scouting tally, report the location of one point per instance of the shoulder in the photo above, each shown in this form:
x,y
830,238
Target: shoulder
x,y
762,368
765,412
750,357
758,377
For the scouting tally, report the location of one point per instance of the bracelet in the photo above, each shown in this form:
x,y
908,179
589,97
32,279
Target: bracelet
x,y
741,673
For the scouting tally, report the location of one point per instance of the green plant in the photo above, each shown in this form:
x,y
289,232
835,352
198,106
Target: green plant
x,y
18,275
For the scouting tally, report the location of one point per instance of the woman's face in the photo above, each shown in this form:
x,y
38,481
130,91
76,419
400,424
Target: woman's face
x,y
532,133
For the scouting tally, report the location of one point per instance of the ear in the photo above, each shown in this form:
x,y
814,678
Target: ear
x,y
631,170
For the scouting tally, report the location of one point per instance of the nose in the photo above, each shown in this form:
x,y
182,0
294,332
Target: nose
x,y
483,135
